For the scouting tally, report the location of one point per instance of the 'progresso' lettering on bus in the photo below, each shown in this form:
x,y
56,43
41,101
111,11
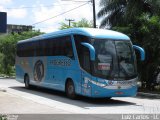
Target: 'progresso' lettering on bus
x,y
61,62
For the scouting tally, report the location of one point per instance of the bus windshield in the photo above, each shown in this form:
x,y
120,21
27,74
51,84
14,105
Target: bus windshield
x,y
115,59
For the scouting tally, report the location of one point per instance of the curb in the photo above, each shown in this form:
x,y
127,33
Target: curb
x,y
7,77
149,95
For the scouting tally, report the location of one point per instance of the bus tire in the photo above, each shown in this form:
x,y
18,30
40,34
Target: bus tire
x,y
26,81
70,89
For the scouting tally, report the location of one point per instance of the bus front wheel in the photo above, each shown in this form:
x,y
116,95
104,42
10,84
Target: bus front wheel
x,y
26,81
70,89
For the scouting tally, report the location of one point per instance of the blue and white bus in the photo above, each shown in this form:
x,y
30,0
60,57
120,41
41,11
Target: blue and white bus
x,y
80,61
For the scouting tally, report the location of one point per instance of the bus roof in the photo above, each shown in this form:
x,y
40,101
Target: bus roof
x,y
91,32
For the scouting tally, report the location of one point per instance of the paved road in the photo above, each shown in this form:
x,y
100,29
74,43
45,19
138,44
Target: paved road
x,y
18,100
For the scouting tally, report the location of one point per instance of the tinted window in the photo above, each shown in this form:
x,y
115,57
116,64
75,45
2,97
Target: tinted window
x,y
60,46
83,52
26,49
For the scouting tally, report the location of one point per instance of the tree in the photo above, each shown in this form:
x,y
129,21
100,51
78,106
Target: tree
x,y
8,49
140,20
144,31
1,60
82,23
121,12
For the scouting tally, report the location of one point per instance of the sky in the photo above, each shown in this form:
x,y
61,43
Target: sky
x,y
29,12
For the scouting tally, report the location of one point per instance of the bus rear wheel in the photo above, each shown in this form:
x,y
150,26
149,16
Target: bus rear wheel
x,y
70,89
26,81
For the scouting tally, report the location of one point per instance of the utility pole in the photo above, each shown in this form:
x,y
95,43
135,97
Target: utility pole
x,y
69,20
94,14
94,11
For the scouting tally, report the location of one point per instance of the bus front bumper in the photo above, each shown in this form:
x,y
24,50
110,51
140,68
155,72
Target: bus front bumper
x,y
104,92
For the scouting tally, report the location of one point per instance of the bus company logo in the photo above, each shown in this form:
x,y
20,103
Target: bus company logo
x,y
38,71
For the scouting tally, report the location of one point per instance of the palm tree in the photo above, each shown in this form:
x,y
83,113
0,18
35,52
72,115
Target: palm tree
x,y
120,12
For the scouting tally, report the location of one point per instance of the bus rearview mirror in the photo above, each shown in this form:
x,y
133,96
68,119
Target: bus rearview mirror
x,y
141,50
91,50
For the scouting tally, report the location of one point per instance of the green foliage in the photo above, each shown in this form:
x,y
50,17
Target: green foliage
x,y
64,26
3,117
124,29
122,12
144,31
82,23
1,60
140,20
8,50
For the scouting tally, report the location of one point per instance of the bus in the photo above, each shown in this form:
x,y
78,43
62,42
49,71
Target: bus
x,y
90,62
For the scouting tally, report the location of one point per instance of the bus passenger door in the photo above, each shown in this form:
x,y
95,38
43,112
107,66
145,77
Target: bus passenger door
x,y
84,59
84,63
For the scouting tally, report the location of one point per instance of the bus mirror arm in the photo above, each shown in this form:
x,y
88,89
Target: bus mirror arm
x,y
91,50
141,50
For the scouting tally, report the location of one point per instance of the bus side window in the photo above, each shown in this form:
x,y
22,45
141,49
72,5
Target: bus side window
x,y
51,47
68,51
83,52
85,58
19,50
65,46
24,50
42,48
